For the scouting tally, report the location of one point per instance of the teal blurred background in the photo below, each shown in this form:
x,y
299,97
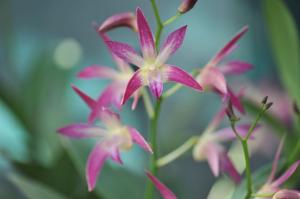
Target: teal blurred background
x,y
43,44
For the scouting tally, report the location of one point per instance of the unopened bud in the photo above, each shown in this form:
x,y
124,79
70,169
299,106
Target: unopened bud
x,y
186,5
287,194
126,19
264,101
296,109
268,105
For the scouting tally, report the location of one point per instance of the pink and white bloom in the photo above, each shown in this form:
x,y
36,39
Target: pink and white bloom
x,y
273,184
153,71
164,191
112,137
125,19
212,76
113,93
209,147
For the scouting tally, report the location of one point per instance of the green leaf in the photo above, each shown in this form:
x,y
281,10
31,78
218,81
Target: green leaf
x,y
32,189
284,39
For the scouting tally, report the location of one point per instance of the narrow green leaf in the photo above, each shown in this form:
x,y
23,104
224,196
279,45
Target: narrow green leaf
x,y
284,39
32,189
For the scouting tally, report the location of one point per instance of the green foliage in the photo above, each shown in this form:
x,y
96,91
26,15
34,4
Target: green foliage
x,y
32,189
284,39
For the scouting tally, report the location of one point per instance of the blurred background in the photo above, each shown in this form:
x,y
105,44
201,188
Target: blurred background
x,y
43,44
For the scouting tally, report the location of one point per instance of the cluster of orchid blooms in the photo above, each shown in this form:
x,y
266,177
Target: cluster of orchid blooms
x,y
152,70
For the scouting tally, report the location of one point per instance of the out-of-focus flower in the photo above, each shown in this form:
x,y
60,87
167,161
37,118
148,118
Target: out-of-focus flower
x,y
126,19
112,137
287,194
212,76
273,185
186,5
153,71
209,147
113,94
165,192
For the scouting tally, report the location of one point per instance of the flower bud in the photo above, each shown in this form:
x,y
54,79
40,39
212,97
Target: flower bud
x,y
296,109
126,19
186,5
268,105
264,101
287,194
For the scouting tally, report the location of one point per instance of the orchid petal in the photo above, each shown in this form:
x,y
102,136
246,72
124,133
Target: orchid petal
x,y
284,177
96,71
235,67
172,43
165,192
136,97
176,74
122,65
81,131
94,165
212,77
110,96
133,84
229,46
88,100
228,167
212,154
276,160
126,19
125,52
287,194
139,139
155,80
236,101
115,155
145,36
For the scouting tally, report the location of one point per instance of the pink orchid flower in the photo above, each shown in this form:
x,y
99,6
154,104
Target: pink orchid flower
x,y
165,192
113,94
112,137
125,19
212,76
209,147
153,71
273,185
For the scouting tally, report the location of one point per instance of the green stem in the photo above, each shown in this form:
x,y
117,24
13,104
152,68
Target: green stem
x,y
171,19
160,25
254,124
153,141
248,168
147,103
177,152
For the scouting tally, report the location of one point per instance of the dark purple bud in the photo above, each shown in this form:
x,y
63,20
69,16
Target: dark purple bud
x,y
296,109
268,105
264,101
186,5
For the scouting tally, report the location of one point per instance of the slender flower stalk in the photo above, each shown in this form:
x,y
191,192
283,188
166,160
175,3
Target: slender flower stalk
x,y
244,141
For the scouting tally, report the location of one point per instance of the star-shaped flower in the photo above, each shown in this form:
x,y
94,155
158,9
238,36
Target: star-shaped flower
x,y
112,137
212,76
153,71
272,185
113,93
209,147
